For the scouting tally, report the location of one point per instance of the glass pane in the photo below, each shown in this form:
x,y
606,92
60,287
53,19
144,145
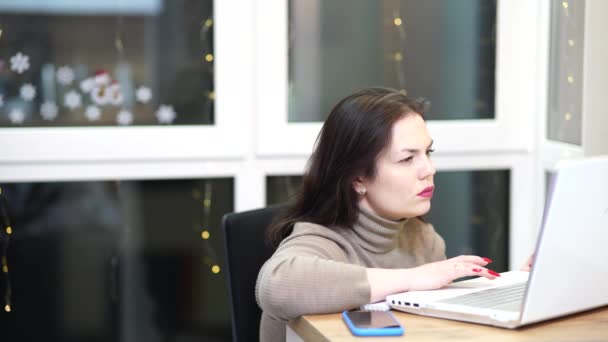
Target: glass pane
x,y
106,63
438,49
115,261
470,211
280,189
564,120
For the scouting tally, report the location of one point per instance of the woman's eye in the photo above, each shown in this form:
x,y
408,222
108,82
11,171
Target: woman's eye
x,y
407,160
428,152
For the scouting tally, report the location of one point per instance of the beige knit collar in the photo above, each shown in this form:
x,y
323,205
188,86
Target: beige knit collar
x,y
375,233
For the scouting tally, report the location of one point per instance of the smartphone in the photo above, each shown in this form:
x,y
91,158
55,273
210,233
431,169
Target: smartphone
x,y
372,323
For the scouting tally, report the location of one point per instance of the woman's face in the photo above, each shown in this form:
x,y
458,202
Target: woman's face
x,y
403,184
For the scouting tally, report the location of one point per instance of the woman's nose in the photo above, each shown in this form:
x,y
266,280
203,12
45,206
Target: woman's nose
x,y
428,169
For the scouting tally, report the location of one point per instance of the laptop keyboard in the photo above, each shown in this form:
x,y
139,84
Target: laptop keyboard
x,y
508,298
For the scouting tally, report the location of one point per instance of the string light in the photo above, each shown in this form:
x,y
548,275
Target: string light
x,y
570,79
211,259
570,42
9,230
211,95
208,23
568,116
565,4
206,34
397,57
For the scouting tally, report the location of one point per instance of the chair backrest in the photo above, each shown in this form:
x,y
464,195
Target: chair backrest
x,y
246,252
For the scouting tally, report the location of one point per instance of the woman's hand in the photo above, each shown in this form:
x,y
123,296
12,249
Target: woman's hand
x,y
441,273
384,282
528,265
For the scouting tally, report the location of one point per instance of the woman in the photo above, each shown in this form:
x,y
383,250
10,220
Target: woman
x,y
354,234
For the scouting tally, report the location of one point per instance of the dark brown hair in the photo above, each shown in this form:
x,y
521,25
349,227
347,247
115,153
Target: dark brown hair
x,y
356,132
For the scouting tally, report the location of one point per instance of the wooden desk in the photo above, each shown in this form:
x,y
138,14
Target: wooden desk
x,y
588,326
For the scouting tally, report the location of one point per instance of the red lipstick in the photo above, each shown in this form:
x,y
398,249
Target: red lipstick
x,y
427,192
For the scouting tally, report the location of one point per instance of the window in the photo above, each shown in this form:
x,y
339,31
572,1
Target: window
x,y
441,50
115,260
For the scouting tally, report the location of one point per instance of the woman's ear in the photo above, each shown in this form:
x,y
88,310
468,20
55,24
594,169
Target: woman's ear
x,y
359,185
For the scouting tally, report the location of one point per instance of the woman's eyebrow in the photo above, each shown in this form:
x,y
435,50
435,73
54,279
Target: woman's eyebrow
x,y
413,150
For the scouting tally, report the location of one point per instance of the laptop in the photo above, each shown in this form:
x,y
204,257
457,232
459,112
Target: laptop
x,y
570,269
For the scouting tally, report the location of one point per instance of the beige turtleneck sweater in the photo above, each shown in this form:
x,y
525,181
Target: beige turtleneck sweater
x,y
318,270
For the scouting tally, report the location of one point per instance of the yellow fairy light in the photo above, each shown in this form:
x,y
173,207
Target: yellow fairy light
x,y
9,230
0,187
403,91
568,116
7,308
205,235
398,56
565,4
570,79
209,57
215,269
5,268
570,42
0,33
208,23
211,95
207,202
397,21
118,44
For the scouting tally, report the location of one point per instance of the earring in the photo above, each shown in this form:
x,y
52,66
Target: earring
x,y
362,192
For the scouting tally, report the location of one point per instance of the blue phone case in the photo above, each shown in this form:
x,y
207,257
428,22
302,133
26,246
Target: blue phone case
x,y
392,331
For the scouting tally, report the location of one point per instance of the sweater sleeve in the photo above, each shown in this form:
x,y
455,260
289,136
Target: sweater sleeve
x,y
309,274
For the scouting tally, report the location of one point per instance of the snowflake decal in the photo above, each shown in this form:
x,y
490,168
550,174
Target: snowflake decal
x,y
165,114
124,117
28,92
65,75
93,113
20,63
17,116
143,94
48,111
73,100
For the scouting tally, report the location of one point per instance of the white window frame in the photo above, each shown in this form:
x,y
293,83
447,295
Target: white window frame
x,y
516,87
81,146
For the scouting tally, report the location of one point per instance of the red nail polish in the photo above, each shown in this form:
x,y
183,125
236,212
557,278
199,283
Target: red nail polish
x,y
477,270
488,260
494,273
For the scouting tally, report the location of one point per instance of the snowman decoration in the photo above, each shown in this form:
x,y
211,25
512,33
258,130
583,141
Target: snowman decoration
x,y
102,89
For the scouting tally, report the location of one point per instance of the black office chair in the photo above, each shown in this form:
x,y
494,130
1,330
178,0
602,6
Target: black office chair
x,y
246,252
